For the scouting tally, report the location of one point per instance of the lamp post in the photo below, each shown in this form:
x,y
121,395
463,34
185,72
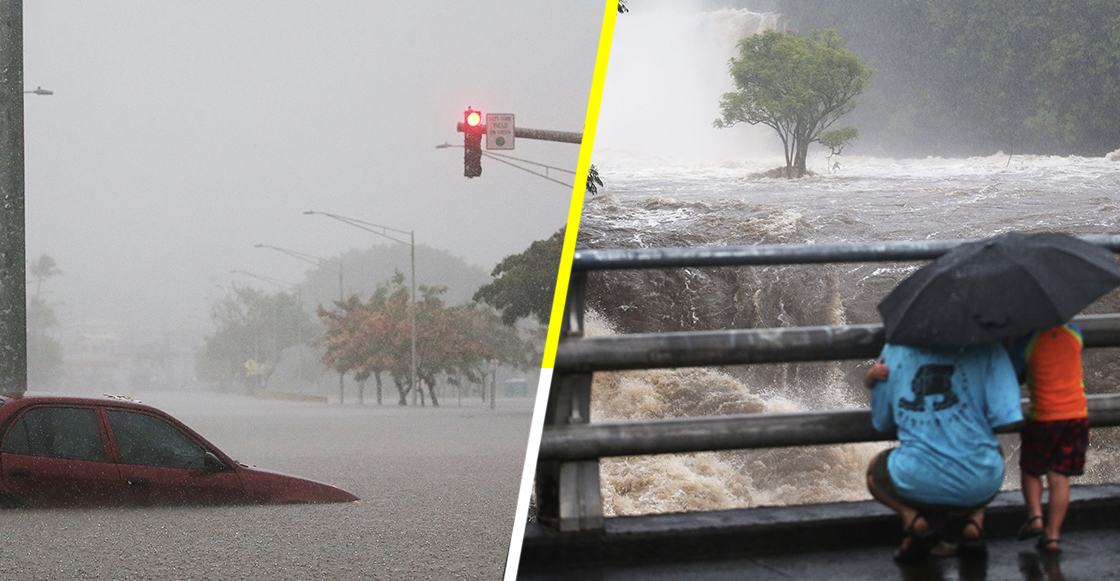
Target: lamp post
x,y
318,261
384,231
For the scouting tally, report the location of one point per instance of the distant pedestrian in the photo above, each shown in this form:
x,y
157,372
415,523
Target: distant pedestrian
x,y
1055,435
945,404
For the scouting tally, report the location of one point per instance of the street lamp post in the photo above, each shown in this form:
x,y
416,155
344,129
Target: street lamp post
x,y
318,261
383,231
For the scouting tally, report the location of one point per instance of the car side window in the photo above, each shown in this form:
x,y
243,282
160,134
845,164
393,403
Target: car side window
x,y
150,441
57,432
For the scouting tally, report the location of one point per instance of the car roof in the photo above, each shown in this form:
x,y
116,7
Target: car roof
x,y
34,397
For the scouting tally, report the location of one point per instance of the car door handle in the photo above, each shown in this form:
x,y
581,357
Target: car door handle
x,y
19,473
138,482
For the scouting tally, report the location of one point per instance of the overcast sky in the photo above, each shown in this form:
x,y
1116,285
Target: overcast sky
x,y
180,134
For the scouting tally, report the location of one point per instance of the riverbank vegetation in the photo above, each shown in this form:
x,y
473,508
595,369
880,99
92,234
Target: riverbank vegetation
x,y
971,77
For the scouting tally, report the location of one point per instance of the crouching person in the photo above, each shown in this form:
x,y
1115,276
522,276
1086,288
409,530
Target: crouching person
x,y
945,405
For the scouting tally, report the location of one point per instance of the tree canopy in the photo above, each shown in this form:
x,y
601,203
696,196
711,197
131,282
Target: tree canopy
x,y
368,338
44,352
797,85
524,284
968,77
252,324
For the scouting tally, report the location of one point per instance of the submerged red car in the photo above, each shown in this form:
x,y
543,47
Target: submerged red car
x,y
63,451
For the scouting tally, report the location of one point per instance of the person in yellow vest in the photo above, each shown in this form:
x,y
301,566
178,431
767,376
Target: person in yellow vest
x,y
1055,434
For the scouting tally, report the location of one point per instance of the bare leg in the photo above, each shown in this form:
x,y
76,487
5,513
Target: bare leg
x,y
971,533
903,511
1032,494
1059,503
908,516
1032,498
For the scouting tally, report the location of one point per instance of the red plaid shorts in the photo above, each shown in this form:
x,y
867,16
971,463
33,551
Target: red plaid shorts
x,y
1054,446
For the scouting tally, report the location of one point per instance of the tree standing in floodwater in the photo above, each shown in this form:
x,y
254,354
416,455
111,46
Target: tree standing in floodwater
x,y
797,85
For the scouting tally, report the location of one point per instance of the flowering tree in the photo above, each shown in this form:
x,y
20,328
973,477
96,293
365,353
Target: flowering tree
x,y
372,337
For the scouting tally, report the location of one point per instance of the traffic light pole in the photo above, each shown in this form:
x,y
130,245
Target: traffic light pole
x,y
548,135
539,134
13,291
473,129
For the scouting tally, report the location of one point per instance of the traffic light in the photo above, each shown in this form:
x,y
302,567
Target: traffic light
x,y
472,143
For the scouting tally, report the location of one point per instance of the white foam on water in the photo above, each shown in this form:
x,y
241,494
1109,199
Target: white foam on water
x,y
713,480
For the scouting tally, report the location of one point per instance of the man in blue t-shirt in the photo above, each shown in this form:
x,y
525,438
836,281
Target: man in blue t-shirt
x,y
944,404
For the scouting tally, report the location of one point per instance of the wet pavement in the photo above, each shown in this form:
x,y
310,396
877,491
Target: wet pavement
x,y
1086,555
841,541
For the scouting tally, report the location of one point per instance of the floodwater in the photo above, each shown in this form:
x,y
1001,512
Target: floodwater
x,y
652,201
438,487
671,180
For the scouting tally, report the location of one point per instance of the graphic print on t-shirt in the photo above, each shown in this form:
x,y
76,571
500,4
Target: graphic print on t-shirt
x,y
931,380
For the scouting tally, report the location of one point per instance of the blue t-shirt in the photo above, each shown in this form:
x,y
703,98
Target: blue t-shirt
x,y
945,403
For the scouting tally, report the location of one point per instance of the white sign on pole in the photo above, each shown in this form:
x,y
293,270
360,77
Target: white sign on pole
x,y
499,131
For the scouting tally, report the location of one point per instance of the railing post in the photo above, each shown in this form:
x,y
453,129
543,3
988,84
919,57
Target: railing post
x,y
568,496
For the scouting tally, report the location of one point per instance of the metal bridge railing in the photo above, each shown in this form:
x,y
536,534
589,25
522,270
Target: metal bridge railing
x,y
567,481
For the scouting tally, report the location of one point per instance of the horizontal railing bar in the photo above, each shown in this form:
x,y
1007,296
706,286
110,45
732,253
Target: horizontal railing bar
x,y
764,254
749,346
740,432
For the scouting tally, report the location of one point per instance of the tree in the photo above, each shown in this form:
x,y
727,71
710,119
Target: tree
x,y
524,284
369,338
968,77
251,324
594,182
42,269
44,353
797,85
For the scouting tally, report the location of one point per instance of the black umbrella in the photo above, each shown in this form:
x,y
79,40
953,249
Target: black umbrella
x,y
1002,286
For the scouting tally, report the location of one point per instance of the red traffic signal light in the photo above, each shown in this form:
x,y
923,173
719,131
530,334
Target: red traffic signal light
x,y
472,118
472,143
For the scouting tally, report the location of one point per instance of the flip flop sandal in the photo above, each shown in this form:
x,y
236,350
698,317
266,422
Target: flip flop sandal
x,y
973,548
1027,531
920,543
1049,546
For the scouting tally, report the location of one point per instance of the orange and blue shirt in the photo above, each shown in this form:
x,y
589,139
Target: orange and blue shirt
x,y
1049,363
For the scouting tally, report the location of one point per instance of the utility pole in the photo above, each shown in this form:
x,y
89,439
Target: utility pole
x,y
13,291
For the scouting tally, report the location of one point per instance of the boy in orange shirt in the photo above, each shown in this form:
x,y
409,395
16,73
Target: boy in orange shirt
x,y
1055,434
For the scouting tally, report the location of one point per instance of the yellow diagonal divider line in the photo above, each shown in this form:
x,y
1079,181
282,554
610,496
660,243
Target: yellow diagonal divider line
x,y
571,231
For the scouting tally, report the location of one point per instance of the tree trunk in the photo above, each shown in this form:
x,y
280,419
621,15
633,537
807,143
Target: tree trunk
x,y
403,393
432,392
802,153
377,376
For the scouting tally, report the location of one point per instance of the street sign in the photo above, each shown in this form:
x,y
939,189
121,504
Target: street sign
x,y
499,131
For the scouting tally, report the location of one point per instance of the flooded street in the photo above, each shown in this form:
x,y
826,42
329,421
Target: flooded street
x,y
438,489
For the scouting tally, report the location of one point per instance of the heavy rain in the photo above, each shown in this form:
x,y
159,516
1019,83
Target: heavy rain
x,y
205,181
979,118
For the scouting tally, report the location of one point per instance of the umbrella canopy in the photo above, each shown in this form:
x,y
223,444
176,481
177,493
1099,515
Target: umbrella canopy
x,y
1002,286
